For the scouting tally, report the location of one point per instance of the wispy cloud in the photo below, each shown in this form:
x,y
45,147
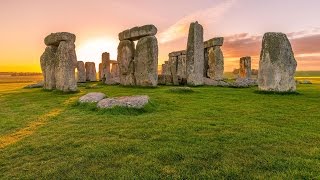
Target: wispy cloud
x,y
205,17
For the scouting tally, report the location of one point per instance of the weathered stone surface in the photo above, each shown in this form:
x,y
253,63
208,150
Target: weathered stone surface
x,y
91,73
36,85
136,33
245,67
195,55
92,97
215,63
59,61
277,64
125,58
161,79
244,83
177,53
65,67
217,41
81,74
126,101
146,61
182,67
105,67
54,39
211,82
48,64
173,62
114,75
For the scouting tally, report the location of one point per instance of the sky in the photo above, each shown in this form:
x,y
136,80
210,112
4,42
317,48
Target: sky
x,y
96,23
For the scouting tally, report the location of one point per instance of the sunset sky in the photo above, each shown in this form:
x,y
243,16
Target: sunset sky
x,y
96,23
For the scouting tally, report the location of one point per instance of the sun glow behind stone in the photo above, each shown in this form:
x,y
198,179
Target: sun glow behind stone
x,y
92,49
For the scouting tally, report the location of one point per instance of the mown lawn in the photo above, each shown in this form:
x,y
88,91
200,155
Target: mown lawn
x,y
212,132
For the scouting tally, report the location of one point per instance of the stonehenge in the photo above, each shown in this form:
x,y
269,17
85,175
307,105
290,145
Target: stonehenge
x,y
91,74
245,67
81,74
138,66
195,55
277,64
214,60
59,61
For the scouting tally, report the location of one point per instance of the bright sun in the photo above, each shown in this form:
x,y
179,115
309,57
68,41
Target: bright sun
x,y
91,50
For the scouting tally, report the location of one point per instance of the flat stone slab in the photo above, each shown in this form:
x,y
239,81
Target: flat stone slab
x,y
136,33
244,83
217,41
55,38
92,97
125,101
177,53
212,82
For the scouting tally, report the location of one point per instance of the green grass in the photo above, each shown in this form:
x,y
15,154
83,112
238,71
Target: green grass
x,y
212,133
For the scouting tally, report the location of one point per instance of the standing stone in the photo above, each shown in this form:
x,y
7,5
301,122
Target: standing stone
x,y
114,74
216,63
59,62
173,69
81,72
100,71
105,73
48,65
91,73
126,53
167,74
195,55
245,67
277,64
146,61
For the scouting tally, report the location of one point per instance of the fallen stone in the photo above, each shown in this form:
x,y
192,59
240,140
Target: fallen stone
x,y
146,62
137,33
211,82
92,97
36,85
126,101
217,41
244,83
54,39
125,58
305,82
277,64
195,55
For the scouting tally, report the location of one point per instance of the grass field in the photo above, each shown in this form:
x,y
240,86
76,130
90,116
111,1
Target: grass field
x,y
213,132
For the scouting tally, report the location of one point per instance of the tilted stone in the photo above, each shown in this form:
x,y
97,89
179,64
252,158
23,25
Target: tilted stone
x,y
125,58
277,64
48,64
136,33
81,74
91,73
195,55
245,67
146,61
217,41
55,38
215,63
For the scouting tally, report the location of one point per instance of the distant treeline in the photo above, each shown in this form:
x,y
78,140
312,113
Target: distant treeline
x,y
21,73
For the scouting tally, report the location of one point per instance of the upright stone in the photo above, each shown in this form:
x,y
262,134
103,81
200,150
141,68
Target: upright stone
x,y
182,67
125,58
245,67
195,55
216,63
48,65
81,74
105,60
277,64
146,61
91,73
173,62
